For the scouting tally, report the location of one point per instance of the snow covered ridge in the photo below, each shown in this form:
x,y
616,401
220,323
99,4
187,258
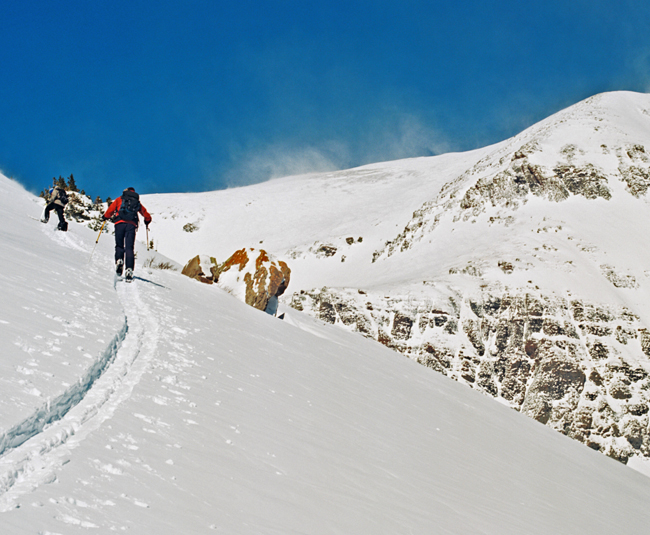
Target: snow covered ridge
x,y
571,153
555,216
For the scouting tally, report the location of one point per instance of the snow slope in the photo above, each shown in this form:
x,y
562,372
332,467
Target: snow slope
x,y
290,215
181,410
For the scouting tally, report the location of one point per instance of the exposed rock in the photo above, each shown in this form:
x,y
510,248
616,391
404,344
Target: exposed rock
x,y
255,277
326,250
555,378
402,326
509,187
633,431
506,267
470,269
645,341
638,409
202,268
586,181
516,371
620,280
619,390
598,350
634,170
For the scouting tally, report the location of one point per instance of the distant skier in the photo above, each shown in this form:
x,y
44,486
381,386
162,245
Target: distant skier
x,y
57,202
127,207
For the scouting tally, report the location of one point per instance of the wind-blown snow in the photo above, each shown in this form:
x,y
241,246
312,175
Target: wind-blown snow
x,y
168,406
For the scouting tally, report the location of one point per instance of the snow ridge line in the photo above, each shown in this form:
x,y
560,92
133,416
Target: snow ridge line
x,y
55,409
36,462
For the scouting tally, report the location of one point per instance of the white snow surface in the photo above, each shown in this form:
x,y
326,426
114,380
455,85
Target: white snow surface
x,y
166,406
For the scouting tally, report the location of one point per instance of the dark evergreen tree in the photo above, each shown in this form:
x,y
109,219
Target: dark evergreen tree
x,y
72,186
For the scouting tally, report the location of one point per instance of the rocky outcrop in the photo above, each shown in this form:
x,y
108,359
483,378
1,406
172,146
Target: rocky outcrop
x,y
202,268
508,182
252,275
579,367
521,178
256,277
634,167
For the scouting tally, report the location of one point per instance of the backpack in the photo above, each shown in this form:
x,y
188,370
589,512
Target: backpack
x,y
63,196
130,206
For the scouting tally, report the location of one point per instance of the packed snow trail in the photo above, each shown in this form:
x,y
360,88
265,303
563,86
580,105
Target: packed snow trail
x,y
58,407
42,444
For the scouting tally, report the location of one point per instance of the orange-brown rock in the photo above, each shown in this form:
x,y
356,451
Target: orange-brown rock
x,y
201,268
255,277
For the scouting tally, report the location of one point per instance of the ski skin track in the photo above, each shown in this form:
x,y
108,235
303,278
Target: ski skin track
x,y
32,451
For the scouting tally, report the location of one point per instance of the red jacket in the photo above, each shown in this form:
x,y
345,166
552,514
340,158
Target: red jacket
x,y
114,208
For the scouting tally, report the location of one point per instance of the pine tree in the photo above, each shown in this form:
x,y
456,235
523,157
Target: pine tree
x,y
61,182
72,186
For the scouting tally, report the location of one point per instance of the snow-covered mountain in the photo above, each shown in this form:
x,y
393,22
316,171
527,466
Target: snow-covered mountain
x,y
520,269
167,406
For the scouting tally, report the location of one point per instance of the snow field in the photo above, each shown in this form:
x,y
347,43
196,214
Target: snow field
x,y
166,406
216,417
244,424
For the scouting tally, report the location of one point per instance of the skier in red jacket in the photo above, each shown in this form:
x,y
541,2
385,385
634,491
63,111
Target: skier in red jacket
x,y
127,207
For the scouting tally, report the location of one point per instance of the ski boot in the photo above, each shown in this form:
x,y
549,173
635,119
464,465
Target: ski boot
x,y
119,267
128,275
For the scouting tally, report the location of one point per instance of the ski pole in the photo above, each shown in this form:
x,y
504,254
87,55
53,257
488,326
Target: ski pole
x,y
147,227
97,240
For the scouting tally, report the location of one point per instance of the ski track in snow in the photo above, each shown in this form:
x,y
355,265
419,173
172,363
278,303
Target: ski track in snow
x,y
32,451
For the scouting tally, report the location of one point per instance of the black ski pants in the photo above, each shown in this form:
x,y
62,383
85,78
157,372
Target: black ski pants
x,y
59,211
124,243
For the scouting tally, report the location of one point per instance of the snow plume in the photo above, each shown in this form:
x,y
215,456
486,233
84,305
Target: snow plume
x,y
401,135
641,67
281,159
385,139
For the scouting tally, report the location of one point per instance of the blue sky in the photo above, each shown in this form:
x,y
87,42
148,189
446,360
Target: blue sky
x,y
196,95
